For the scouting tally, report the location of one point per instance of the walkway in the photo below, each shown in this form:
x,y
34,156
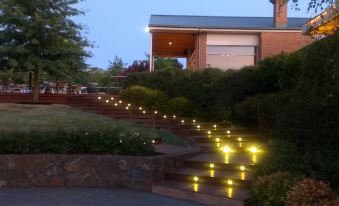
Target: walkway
x,y
85,197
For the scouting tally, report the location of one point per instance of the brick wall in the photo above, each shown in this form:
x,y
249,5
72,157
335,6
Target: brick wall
x,y
201,49
274,43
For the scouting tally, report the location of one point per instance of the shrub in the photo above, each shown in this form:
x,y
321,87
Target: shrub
x,y
97,141
310,192
271,190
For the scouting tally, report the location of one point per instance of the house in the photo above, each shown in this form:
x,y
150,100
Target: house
x,y
326,23
225,42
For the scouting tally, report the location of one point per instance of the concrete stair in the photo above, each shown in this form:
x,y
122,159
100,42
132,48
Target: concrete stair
x,y
220,174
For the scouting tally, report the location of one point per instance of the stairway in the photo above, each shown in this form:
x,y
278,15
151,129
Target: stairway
x,y
220,174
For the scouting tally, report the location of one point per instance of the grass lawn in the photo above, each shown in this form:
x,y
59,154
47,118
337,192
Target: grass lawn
x,y
66,121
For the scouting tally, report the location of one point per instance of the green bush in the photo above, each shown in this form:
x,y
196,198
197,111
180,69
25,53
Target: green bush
x,y
155,100
271,190
96,141
310,192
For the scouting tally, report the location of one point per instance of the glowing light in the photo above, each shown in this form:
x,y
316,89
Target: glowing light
x,y
140,108
194,121
129,105
120,102
227,149
196,187
215,127
212,173
227,158
116,104
253,150
155,112
107,101
212,166
165,117
228,132
127,108
112,98
209,132
195,179
254,159
242,168
239,139
170,43
229,192
174,116
217,139
144,112
99,98
198,126
153,141
243,176
183,121
230,182
218,144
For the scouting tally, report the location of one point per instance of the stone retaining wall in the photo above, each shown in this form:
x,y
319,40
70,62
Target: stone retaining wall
x,y
85,170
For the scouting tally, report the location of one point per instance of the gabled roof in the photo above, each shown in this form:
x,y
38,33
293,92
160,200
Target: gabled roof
x,y
220,22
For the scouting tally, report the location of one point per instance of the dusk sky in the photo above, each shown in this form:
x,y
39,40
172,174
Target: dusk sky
x,y
117,27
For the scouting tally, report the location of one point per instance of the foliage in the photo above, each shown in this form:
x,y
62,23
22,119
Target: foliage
x,y
310,192
155,100
63,130
116,66
136,66
40,36
271,190
166,64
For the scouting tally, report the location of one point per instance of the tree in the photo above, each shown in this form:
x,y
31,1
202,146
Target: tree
x,y
167,63
39,36
116,66
315,4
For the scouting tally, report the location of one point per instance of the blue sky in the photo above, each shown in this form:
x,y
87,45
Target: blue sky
x,y
117,27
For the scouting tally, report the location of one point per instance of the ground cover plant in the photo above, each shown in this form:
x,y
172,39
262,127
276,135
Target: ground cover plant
x,y
31,129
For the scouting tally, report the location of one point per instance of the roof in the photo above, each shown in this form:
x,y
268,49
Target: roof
x,y
222,22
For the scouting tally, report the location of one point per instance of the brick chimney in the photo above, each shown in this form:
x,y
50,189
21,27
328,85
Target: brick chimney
x,y
280,19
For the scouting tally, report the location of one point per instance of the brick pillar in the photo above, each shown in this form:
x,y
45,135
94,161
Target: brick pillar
x,y
201,51
280,19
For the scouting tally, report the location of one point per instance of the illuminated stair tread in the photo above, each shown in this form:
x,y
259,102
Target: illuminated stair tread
x,y
233,158
215,190
207,173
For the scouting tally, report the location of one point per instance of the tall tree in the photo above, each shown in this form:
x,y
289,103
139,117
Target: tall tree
x,y
167,63
116,65
316,4
39,36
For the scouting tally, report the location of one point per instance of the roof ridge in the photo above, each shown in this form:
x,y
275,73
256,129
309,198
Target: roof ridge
x,y
170,15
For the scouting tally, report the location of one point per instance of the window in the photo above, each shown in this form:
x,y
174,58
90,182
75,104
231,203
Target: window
x,y
231,57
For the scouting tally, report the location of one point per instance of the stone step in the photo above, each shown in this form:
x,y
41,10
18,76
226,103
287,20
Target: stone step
x,y
233,158
238,179
214,195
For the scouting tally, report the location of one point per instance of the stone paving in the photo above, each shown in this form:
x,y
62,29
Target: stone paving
x,y
85,197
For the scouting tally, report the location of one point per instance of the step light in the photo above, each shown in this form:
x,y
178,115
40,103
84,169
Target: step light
x,y
212,166
107,101
112,98
195,179
230,182
242,168
99,98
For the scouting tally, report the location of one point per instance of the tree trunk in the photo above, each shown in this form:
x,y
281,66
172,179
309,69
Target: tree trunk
x,y
36,87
